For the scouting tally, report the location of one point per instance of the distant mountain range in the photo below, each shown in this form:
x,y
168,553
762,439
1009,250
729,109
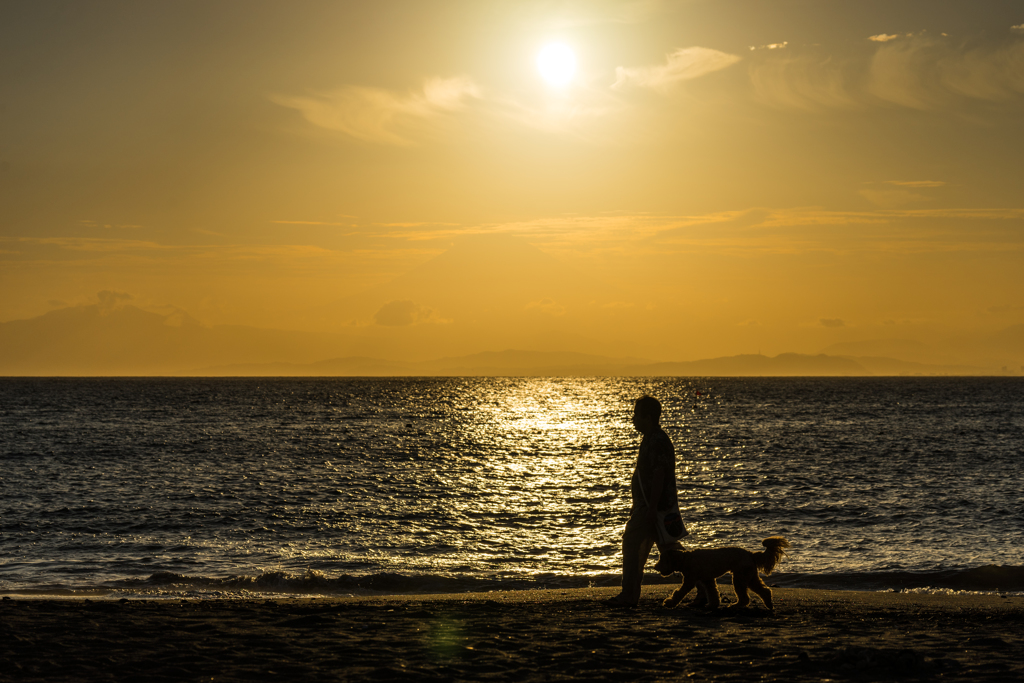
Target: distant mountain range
x,y
484,292
115,340
120,339
535,363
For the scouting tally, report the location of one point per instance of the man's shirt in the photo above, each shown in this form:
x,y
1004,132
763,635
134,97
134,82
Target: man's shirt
x,y
656,454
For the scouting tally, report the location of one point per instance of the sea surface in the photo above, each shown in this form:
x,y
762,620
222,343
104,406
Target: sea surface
x,y
340,486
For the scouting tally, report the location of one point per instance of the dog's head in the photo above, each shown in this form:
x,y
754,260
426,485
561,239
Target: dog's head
x,y
671,562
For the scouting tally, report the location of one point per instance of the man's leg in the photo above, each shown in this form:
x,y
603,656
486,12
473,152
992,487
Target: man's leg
x,y
637,541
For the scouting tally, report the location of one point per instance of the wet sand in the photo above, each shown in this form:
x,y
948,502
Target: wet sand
x,y
547,635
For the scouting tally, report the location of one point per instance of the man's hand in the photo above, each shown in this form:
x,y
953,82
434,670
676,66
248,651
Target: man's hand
x,y
652,519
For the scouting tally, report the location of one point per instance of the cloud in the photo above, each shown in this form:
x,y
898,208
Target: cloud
x,y
1018,27
720,222
883,38
110,300
903,74
346,225
92,244
584,116
807,81
547,307
919,72
381,116
925,73
604,239
916,183
404,313
993,74
682,65
89,223
588,12
892,198
832,322
770,46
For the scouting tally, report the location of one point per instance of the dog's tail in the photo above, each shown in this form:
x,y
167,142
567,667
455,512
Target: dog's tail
x,y
772,553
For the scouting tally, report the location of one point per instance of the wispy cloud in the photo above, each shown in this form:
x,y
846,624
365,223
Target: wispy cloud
x,y
901,194
94,244
791,231
602,239
547,306
901,73
100,224
916,183
993,74
382,116
584,117
883,37
682,65
346,225
405,313
832,322
589,12
928,73
417,224
917,72
109,300
805,80
91,248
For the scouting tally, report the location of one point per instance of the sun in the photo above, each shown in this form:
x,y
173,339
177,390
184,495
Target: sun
x,y
557,64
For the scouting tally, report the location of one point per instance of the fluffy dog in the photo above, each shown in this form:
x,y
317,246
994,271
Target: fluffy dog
x,y
702,567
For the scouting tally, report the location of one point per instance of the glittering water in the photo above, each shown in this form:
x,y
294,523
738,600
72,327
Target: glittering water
x,y
324,485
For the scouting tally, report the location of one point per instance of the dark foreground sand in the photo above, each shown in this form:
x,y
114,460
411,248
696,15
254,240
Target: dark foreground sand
x,y
521,636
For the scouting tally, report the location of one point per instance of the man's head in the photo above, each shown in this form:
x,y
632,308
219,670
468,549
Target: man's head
x,y
646,413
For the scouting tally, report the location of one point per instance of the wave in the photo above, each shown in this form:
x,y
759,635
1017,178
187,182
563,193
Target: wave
x,y
988,578
1000,578
312,582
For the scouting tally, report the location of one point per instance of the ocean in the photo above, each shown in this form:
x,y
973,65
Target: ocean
x,y
353,486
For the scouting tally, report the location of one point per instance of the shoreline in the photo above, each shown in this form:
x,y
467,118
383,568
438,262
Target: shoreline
x,y
550,634
117,595
982,579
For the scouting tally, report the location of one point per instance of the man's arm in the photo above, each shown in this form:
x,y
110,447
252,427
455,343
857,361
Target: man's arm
x,y
656,482
661,459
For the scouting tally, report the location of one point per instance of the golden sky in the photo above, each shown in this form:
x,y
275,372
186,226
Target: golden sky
x,y
703,178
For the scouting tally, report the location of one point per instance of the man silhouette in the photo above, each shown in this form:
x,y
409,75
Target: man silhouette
x,y
653,488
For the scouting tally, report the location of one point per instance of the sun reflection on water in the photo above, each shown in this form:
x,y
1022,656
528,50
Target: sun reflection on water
x,y
540,475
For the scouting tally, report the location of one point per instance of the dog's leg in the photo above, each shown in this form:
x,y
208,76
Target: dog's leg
x,y
739,584
714,598
677,597
701,598
763,592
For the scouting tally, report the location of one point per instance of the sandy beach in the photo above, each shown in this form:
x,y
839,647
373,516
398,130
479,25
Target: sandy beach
x,y
522,635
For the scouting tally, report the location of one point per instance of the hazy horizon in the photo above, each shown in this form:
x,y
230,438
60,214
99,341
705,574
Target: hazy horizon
x,y
406,181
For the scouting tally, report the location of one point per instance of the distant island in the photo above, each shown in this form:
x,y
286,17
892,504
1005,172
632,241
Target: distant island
x,y
560,364
124,340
